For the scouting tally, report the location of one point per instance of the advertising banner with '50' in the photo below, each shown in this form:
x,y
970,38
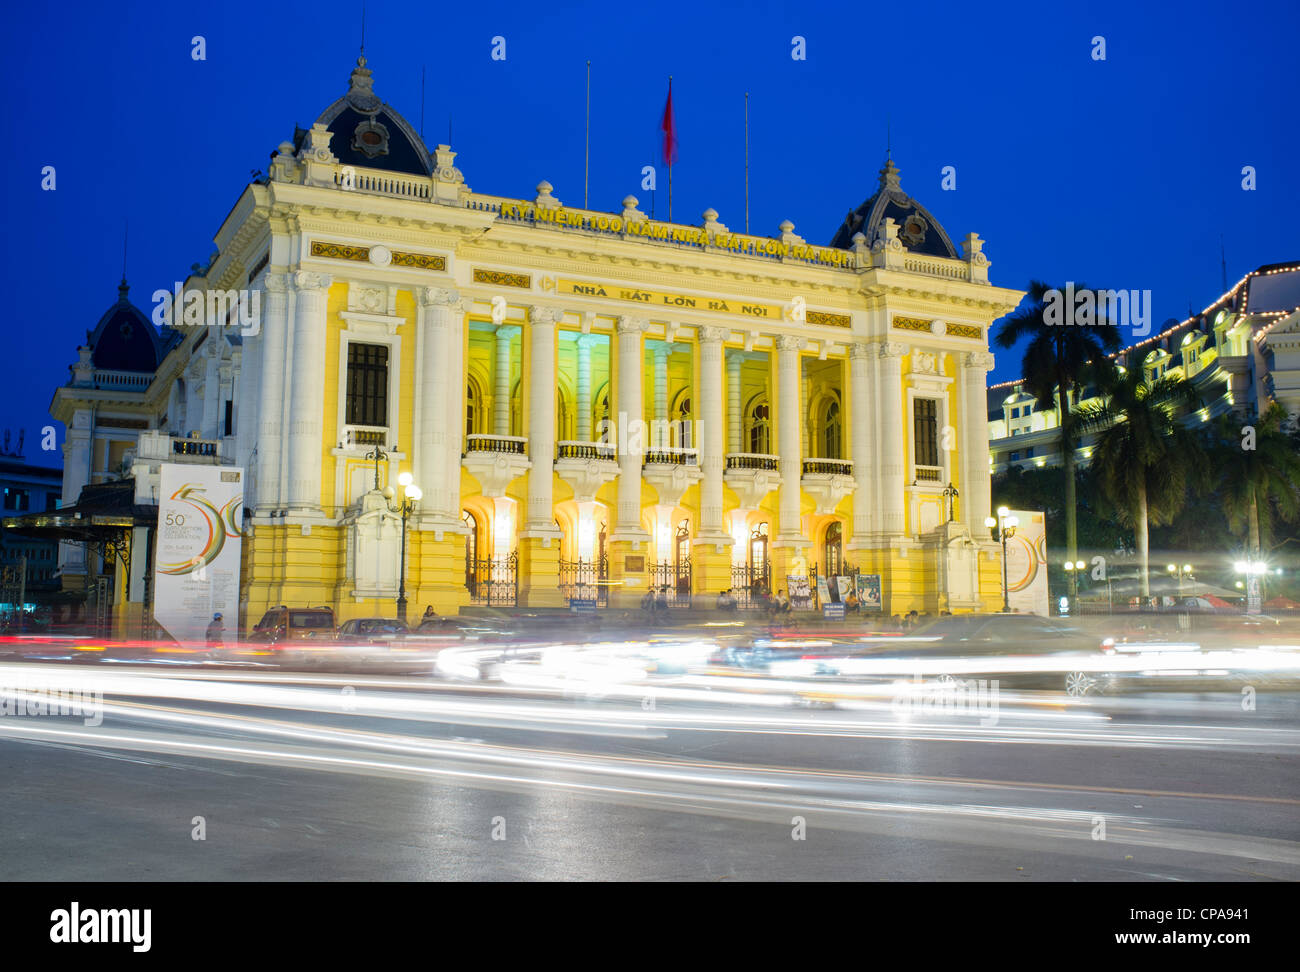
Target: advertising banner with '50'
x,y
196,553
1027,564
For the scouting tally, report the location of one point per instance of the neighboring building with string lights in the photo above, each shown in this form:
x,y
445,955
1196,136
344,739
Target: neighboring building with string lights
x,y
590,403
1241,352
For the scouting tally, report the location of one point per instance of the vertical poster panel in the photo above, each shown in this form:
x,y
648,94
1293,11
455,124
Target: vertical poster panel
x,y
196,553
869,592
1027,564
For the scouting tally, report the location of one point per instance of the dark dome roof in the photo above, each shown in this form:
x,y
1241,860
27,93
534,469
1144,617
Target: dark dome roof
x,y
918,230
125,339
369,133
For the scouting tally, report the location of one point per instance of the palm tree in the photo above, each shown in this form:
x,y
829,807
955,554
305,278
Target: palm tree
x,y
1253,482
1145,459
1055,361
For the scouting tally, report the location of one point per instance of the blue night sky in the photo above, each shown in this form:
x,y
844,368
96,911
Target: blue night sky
x,y
1120,173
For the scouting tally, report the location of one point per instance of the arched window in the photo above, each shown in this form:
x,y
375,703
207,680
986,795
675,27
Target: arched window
x,y
471,547
832,443
473,408
682,422
759,427
834,550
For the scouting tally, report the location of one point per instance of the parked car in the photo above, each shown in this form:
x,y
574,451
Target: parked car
x,y
281,624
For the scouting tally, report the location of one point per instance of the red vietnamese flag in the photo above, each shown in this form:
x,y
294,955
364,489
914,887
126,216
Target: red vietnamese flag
x,y
669,129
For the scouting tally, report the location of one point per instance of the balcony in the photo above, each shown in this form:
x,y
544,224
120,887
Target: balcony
x,y
494,460
753,460
751,476
930,475
671,470
513,445
136,381
155,446
586,466
672,456
827,481
364,437
585,450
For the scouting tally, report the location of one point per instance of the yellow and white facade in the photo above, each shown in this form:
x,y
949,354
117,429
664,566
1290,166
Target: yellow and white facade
x,y
569,385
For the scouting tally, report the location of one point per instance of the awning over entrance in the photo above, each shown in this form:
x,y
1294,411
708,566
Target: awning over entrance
x,y
103,516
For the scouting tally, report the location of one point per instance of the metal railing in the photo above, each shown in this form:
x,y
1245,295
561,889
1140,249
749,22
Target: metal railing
x,y
509,444
751,585
209,448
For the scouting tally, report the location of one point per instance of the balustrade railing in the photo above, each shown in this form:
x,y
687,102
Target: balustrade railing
x,y
752,460
508,444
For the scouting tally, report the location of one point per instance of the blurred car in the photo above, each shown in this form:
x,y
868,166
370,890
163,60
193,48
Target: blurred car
x,y
1022,651
372,631
281,624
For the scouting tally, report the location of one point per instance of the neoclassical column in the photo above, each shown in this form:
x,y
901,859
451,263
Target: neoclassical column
x,y
976,494
585,341
805,431
631,452
275,326
501,380
733,402
892,423
540,521
710,412
660,435
863,438
307,393
436,422
455,403
788,435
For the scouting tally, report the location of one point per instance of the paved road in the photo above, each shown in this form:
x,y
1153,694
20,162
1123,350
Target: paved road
x,y
324,776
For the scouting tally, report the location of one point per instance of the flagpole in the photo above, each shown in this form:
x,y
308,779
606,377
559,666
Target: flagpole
x,y
670,157
746,163
586,169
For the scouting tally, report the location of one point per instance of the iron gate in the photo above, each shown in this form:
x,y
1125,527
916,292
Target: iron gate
x,y
676,577
495,582
587,580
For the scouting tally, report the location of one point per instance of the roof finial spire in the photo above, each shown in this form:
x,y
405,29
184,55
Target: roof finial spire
x,y
889,139
122,288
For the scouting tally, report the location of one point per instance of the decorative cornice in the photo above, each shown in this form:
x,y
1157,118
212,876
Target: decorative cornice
x,y
788,342
503,279
828,320
890,349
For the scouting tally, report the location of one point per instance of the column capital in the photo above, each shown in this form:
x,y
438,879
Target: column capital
x,y
588,340
627,324
890,349
713,335
978,360
277,283
507,331
788,342
860,350
544,315
435,296
311,280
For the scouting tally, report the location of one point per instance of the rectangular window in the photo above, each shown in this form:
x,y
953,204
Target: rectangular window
x,y
926,430
16,500
230,418
367,402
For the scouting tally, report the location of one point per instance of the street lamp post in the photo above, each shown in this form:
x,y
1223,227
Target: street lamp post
x,y
1072,569
1003,528
410,496
378,455
950,493
1184,571
1254,570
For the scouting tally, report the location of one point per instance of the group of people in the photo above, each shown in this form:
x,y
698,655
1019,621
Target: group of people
x,y
655,602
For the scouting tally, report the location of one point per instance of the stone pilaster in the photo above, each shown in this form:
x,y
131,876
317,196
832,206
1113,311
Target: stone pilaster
x,y
307,393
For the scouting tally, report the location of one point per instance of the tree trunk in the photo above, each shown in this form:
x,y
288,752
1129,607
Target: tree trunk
x,y
1252,519
1067,464
1140,530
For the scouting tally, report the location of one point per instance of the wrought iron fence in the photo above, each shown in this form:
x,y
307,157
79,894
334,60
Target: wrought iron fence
x,y
586,580
674,576
495,582
751,584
